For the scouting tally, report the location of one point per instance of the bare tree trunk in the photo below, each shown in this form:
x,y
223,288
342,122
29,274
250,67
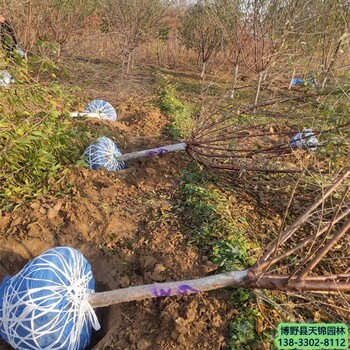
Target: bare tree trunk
x,y
291,80
123,63
332,62
104,44
175,56
29,21
158,51
203,69
261,74
234,278
235,76
133,59
128,65
265,75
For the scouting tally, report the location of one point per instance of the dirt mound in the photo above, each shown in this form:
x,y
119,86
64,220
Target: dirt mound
x,y
195,322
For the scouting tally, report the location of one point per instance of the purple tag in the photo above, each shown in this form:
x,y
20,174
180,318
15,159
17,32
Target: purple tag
x,y
181,290
158,151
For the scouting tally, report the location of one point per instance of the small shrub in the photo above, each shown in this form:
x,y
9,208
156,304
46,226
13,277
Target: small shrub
x,y
37,142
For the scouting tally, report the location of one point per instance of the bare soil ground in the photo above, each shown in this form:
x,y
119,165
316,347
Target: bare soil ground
x,y
119,222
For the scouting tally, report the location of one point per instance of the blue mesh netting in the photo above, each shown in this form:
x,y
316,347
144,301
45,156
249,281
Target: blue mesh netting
x,y
45,305
305,139
106,110
100,154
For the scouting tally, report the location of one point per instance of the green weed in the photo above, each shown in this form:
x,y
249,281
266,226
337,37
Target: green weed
x,y
210,213
244,333
247,329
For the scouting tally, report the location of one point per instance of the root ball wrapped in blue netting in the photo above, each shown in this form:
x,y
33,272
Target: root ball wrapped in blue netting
x,y
45,306
106,110
305,139
100,154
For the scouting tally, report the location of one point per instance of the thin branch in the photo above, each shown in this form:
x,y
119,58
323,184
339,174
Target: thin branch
x,y
340,233
302,218
304,242
312,252
284,221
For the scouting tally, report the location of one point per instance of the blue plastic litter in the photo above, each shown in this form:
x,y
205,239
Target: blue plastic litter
x,y
45,306
310,81
297,81
100,154
106,110
305,139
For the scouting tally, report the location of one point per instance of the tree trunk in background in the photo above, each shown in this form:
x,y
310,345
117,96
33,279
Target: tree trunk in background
x,y
203,69
128,65
123,64
265,74
261,75
291,80
132,59
235,76
158,51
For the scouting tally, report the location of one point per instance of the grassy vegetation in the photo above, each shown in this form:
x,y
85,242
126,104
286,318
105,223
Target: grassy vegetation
x,y
336,142
181,122
222,232
247,330
210,215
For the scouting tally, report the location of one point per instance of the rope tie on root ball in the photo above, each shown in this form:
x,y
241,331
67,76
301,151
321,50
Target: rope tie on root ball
x,y
102,154
6,78
106,110
45,306
305,140
97,109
